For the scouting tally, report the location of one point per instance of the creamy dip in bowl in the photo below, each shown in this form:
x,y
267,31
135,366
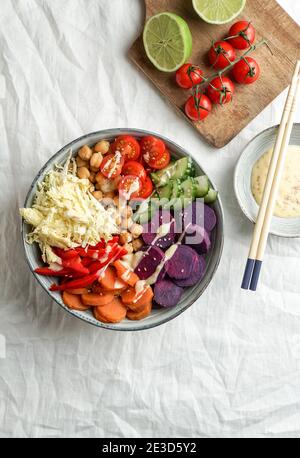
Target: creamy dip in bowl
x,y
249,177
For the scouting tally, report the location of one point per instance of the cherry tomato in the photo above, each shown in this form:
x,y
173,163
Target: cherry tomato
x,y
130,187
188,76
246,71
242,35
198,107
147,189
134,168
128,146
152,149
221,54
163,161
220,90
111,166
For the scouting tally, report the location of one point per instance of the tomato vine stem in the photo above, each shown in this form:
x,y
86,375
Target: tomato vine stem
x,y
206,80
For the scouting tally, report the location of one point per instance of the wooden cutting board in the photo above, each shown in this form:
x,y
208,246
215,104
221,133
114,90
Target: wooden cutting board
x,y
225,122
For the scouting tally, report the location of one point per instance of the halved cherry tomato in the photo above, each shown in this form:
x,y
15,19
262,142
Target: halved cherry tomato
x,y
128,146
134,168
112,164
188,76
220,90
147,189
241,35
163,161
198,107
221,54
130,186
246,71
152,149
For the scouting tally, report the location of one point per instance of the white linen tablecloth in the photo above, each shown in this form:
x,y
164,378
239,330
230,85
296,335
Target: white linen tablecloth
x,y
230,365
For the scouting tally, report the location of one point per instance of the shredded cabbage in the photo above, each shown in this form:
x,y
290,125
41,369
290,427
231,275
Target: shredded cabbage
x,y
66,215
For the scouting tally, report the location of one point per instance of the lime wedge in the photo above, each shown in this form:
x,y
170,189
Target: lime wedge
x,y
168,41
218,11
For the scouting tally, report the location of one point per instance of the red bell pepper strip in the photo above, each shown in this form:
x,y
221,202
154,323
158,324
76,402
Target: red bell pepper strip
x,y
91,253
65,254
86,262
75,265
52,273
88,279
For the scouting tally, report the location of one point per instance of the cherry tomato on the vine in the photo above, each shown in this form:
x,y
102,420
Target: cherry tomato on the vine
x,y
134,168
246,71
221,54
220,90
128,146
242,35
188,75
152,149
198,107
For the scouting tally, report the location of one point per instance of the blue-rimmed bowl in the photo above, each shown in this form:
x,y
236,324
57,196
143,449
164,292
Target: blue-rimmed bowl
x,y
282,227
157,317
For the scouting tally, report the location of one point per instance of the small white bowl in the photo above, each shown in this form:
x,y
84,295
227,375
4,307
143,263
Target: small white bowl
x,y
282,227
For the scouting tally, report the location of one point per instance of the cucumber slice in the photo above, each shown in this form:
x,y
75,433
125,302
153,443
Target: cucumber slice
x,y
184,168
211,196
177,189
162,177
188,188
166,191
201,186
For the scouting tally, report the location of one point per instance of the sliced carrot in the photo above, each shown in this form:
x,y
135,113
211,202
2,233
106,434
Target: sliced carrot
x,y
131,297
74,302
96,300
97,288
143,313
78,291
114,312
109,278
125,273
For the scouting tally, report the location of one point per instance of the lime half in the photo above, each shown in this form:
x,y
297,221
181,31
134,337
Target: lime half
x,y
168,41
218,11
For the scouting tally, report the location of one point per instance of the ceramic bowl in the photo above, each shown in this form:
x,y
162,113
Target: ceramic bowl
x,y
158,316
283,227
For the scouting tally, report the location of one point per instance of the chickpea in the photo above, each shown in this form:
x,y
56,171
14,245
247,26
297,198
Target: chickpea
x,y
85,153
102,147
81,163
116,201
105,184
96,160
97,186
136,230
94,169
128,247
92,177
109,195
137,244
97,195
125,237
83,172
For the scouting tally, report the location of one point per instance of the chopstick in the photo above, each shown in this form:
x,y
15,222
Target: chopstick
x,y
266,209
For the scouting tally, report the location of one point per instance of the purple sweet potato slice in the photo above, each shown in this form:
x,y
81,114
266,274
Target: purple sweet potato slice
x,y
151,259
210,218
200,214
180,265
198,238
161,222
196,275
167,294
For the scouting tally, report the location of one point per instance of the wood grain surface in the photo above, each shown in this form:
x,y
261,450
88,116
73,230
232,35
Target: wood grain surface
x,y
225,122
